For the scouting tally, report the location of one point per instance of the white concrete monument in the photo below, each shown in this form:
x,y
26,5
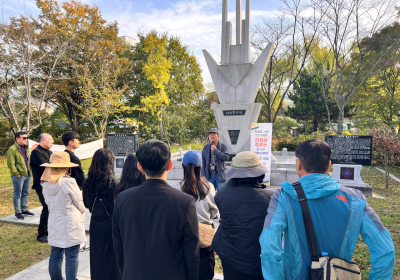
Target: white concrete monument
x,y
237,81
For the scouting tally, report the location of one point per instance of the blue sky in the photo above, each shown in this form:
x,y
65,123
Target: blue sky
x,y
196,22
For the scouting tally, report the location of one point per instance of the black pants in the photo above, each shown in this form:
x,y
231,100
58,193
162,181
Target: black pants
x,y
231,274
42,230
207,263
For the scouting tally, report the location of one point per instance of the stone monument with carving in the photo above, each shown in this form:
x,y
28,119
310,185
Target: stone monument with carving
x,y
237,81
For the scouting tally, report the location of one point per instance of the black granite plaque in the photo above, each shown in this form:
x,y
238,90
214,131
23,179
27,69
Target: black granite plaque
x,y
350,149
123,144
234,112
234,136
347,173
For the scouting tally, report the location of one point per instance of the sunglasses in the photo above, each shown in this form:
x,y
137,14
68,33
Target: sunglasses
x,y
23,138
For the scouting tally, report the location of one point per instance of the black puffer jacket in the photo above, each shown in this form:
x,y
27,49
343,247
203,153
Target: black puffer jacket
x,y
243,209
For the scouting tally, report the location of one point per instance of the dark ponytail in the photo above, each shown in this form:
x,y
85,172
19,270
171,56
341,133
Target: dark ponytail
x,y
192,183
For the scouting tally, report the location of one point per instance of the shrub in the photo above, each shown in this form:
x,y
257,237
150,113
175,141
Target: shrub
x,y
295,141
5,143
386,147
346,132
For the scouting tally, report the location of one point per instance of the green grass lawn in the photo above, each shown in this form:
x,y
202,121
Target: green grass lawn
x,y
388,210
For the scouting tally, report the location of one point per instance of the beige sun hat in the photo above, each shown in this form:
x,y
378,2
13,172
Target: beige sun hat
x,y
246,165
60,159
59,164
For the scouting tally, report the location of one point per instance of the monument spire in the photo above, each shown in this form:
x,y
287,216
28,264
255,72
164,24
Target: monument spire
x,y
237,81
239,22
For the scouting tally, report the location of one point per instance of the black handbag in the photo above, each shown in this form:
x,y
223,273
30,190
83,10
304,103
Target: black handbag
x,y
323,267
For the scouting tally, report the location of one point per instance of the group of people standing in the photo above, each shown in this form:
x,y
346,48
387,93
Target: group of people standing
x,y
142,228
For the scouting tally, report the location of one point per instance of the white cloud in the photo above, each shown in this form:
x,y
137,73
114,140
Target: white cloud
x,y
198,24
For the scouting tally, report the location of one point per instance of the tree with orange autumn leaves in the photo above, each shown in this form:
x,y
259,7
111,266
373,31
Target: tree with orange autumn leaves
x,y
89,83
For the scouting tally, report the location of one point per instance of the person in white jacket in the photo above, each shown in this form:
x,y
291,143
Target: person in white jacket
x,y
66,224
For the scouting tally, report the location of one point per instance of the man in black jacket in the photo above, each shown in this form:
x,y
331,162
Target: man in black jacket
x,y
71,143
155,228
41,154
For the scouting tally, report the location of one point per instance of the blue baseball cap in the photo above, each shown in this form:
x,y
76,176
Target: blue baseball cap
x,y
192,157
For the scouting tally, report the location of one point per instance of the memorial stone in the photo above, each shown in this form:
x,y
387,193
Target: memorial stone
x,y
350,149
349,155
122,145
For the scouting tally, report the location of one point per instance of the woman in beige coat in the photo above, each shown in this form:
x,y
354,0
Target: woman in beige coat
x,y
66,224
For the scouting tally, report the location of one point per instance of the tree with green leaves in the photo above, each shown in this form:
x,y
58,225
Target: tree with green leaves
x,y
346,26
378,99
309,104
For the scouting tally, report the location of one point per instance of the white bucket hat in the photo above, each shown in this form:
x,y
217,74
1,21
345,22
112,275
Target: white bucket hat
x,y
246,165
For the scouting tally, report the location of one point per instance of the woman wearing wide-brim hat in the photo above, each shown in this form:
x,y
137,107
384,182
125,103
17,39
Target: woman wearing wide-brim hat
x,y
243,205
66,223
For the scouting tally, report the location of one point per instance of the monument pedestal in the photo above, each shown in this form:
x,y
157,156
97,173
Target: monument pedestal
x,y
234,123
350,176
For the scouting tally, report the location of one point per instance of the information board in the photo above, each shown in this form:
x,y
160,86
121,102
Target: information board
x,y
353,149
123,144
261,144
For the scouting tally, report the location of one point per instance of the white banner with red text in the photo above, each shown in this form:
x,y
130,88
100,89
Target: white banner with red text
x,y
261,144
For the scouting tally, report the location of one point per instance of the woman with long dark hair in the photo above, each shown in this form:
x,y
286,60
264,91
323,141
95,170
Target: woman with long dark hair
x,y
131,176
203,193
98,191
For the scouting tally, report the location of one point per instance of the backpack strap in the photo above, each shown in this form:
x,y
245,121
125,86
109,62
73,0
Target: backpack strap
x,y
308,224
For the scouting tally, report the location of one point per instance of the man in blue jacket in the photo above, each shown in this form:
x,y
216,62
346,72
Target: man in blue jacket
x,y
339,215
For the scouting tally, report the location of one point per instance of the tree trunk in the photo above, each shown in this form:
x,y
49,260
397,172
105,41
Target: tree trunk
x,y
387,177
340,121
161,126
387,169
315,125
73,118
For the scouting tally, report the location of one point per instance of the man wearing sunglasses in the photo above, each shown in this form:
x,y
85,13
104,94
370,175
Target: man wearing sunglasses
x,y
18,157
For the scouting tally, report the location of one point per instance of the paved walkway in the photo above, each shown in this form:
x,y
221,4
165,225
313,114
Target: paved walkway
x,y
390,175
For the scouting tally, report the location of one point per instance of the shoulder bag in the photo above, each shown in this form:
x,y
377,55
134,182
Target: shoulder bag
x,y
323,267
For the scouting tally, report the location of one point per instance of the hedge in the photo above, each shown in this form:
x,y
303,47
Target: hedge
x,y
5,143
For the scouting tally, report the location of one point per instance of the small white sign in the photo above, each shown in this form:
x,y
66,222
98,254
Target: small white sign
x,y
261,144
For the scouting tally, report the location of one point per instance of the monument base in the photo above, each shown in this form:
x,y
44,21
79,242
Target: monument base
x,y
234,124
366,190
118,165
350,176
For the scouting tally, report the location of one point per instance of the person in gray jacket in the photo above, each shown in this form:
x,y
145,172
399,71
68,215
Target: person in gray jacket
x,y
214,156
203,192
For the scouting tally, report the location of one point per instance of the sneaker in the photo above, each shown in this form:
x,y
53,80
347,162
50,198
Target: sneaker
x,y
42,239
84,248
19,216
28,213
